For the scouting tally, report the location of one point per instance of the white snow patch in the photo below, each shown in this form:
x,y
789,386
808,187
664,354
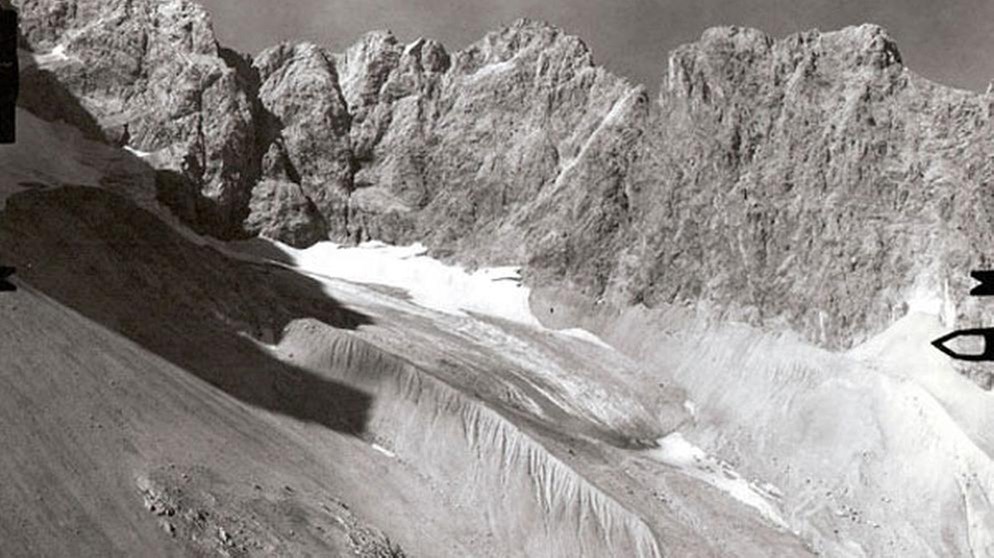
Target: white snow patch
x,y
618,109
690,407
492,291
674,450
413,45
496,291
493,69
384,451
924,299
266,345
137,152
57,54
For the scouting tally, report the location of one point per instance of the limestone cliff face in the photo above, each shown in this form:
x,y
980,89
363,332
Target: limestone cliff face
x,y
305,125
392,91
151,75
813,181
529,149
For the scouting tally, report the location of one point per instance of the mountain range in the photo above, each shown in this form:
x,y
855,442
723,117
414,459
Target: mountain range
x,y
758,257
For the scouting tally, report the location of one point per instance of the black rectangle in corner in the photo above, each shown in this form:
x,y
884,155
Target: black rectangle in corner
x,y
9,76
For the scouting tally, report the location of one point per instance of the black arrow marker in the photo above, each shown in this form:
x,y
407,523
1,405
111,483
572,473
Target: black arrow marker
x,y
6,272
986,333
986,286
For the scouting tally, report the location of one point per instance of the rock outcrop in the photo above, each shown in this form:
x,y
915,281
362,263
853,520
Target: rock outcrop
x,y
151,76
393,92
812,182
305,125
280,209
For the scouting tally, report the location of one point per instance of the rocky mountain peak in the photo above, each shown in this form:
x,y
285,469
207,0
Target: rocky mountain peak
x,y
867,44
730,37
287,56
727,57
426,55
524,39
365,67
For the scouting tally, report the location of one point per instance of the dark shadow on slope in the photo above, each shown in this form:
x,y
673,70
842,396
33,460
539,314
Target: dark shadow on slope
x,y
260,248
44,96
121,266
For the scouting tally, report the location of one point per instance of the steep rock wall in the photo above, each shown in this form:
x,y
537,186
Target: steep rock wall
x,y
811,182
813,178
150,75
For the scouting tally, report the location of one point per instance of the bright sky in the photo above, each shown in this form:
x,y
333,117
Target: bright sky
x,y
951,41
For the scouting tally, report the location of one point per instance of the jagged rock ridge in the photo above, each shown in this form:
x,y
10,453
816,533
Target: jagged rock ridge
x,y
812,181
